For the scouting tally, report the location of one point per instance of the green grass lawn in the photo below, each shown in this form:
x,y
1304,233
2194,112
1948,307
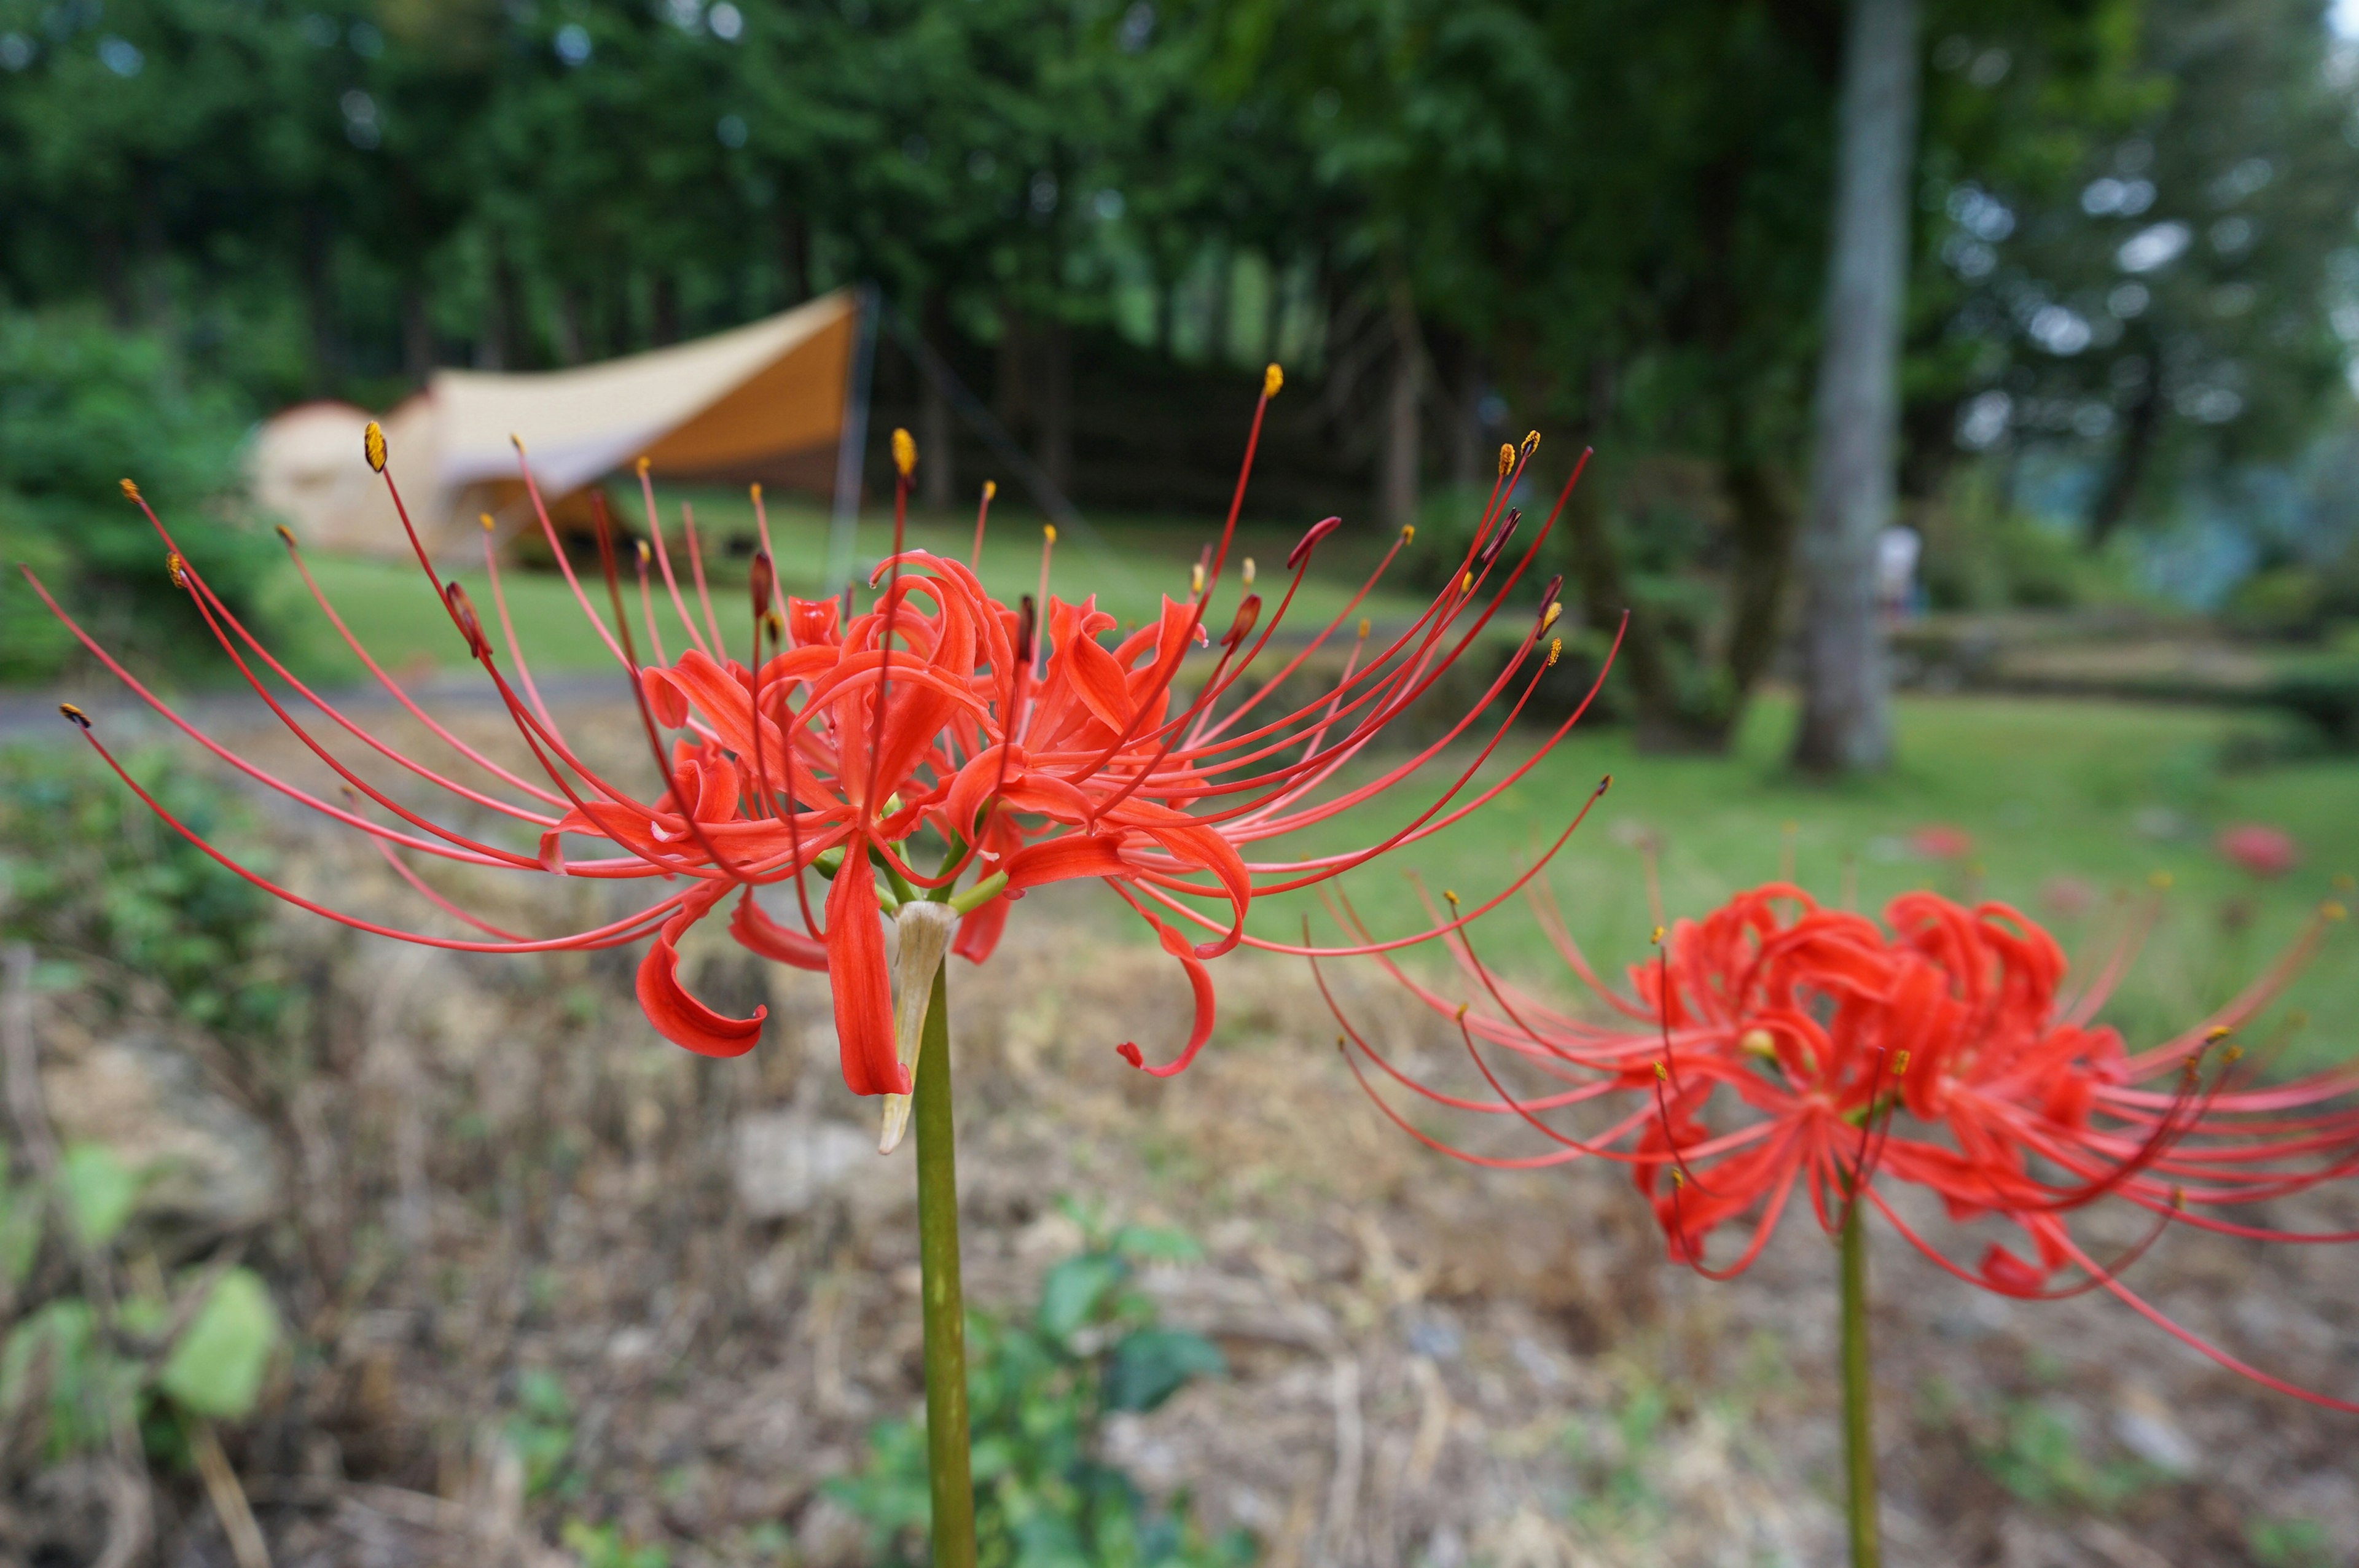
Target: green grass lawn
x,y
2067,802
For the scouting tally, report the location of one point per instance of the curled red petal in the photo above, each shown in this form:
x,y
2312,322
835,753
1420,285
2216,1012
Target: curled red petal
x,y
1310,541
757,933
1200,980
980,930
677,1016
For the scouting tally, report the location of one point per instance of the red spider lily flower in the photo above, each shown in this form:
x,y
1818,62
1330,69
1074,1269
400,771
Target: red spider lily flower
x,y
2263,851
1776,1046
1941,841
1019,748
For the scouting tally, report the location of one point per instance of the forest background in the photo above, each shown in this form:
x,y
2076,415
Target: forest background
x,y
2133,275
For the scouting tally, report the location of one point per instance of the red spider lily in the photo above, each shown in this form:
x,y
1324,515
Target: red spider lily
x,y
1022,754
1776,1045
1942,841
2263,851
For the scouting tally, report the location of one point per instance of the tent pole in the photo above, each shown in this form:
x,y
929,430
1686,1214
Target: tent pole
x,y
854,443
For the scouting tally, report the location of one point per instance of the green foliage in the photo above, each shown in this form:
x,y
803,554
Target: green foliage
x,y
2288,1543
216,1367
2037,1458
82,406
100,1190
602,1546
88,872
1038,1393
541,1432
73,1377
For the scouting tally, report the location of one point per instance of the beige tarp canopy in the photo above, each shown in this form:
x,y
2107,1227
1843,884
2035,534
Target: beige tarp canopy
x,y
768,401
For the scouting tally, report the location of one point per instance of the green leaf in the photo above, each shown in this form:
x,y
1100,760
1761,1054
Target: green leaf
x,y
1155,1242
1074,1288
101,1192
1150,1366
20,1232
216,1368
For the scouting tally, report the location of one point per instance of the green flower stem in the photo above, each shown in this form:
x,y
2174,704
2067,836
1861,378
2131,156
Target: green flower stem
x,y
1859,1395
945,1301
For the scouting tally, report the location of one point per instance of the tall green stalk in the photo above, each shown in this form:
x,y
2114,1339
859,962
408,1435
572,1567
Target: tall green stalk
x,y
945,1301
1859,1395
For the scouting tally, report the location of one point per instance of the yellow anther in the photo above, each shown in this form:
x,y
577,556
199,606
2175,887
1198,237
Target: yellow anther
x,y
373,445
130,491
1531,443
1899,1062
286,534
2231,1055
1679,1177
776,623
643,466
755,489
76,714
989,487
646,554
1449,897
1662,1074
1249,571
1339,1043
2332,909
1363,628
1548,620
2217,1032
2159,880
177,568
904,453
1758,1043
1408,531
1048,532
516,441
1460,1015
1271,380
485,519
1506,457
1466,581
1555,649
1657,937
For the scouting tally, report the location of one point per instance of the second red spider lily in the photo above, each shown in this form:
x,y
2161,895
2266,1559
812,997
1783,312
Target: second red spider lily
x,y
1777,1046
1775,1049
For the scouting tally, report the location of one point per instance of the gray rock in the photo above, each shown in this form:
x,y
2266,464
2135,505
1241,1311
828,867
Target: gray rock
x,y
787,1163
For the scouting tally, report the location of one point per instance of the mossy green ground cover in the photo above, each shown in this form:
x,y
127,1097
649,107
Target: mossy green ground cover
x,y
2073,807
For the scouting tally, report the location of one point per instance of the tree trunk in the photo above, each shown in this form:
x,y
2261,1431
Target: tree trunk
x,y
1397,465
2129,467
663,310
794,258
1846,708
1011,392
936,476
416,337
319,299
1055,446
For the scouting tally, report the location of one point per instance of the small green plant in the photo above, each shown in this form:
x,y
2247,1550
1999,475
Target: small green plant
x,y
2037,1458
97,884
602,1546
541,1433
2288,1543
1040,1392
1618,1494
157,1358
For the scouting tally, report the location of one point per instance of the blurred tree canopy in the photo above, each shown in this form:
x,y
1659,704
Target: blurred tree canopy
x,y
2134,263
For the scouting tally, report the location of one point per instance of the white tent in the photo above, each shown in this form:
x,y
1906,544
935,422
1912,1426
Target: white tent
x,y
779,400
